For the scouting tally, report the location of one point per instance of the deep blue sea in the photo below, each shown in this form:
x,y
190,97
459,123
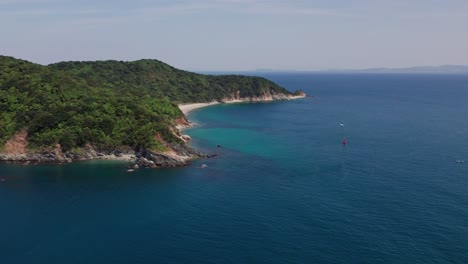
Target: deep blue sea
x,y
282,190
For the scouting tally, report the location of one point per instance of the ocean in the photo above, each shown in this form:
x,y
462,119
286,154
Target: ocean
x,y
283,188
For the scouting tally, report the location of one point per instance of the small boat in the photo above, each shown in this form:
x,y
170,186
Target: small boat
x,y
203,166
459,161
130,170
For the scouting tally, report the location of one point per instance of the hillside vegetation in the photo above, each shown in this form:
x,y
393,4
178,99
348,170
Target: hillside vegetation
x,y
107,104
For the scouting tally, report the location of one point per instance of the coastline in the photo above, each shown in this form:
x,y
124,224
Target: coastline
x,y
37,158
176,156
187,108
122,157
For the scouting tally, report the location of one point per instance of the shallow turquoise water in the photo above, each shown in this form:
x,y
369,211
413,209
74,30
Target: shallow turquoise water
x,y
282,190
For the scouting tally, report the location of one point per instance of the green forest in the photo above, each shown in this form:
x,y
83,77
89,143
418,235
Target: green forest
x,y
108,104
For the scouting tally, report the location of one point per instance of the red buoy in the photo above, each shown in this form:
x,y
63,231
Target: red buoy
x,y
344,141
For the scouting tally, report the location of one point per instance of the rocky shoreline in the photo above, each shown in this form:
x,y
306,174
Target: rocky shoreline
x,y
180,158
177,154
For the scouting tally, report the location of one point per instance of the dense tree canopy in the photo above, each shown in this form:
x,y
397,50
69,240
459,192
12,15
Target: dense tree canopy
x,y
106,103
158,79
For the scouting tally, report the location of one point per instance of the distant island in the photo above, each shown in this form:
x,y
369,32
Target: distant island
x,y
444,69
71,111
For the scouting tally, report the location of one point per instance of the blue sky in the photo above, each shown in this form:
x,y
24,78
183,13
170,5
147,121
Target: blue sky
x,y
239,34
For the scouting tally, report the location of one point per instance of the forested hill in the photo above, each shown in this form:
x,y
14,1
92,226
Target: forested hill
x,y
106,104
161,80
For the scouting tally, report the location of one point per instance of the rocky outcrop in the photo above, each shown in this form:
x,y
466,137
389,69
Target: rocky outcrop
x,y
263,97
175,155
157,159
15,150
17,144
56,155
299,94
181,122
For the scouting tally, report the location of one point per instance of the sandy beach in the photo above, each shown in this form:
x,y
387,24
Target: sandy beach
x,y
187,108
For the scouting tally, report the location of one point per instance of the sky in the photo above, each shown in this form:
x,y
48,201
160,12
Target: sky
x,y
239,35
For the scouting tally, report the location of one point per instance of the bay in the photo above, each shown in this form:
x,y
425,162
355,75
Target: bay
x,y
283,188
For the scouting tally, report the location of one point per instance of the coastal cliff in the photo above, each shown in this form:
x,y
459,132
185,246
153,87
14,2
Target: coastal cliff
x,y
175,155
264,96
72,111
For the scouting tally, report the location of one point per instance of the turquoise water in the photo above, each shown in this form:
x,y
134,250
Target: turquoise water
x,y
282,190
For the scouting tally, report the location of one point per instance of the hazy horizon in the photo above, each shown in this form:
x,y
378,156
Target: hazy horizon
x,y
358,70
239,35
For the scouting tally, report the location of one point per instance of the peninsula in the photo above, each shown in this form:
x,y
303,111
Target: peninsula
x,y
71,111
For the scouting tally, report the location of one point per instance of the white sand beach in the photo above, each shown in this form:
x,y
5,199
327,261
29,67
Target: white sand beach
x,y
187,108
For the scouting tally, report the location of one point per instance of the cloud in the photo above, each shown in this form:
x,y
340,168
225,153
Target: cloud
x,y
148,10
206,7
22,2
435,15
238,7
288,10
48,12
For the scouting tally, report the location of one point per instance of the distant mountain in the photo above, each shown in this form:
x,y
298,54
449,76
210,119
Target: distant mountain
x,y
444,69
